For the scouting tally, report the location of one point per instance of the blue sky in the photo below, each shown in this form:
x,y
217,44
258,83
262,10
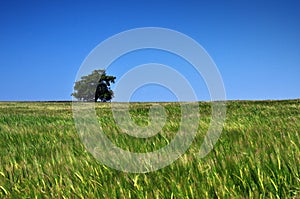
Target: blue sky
x,y
255,44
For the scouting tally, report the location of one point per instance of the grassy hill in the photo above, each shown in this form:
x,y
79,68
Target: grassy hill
x,y
257,155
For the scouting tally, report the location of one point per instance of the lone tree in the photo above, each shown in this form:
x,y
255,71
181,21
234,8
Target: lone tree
x,y
94,86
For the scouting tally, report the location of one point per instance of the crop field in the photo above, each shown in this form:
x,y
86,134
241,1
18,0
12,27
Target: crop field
x,y
257,155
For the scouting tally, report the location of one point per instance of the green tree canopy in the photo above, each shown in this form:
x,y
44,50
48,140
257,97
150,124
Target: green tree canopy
x,y
94,86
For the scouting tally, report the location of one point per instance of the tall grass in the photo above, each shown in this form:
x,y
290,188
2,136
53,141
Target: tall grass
x,y
257,155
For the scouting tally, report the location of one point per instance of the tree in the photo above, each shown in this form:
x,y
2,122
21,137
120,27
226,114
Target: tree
x,y
94,86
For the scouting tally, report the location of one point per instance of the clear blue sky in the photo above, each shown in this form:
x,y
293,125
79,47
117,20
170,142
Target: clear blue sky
x,y
255,44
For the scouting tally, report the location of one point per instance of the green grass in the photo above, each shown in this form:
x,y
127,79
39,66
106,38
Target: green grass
x,y
257,155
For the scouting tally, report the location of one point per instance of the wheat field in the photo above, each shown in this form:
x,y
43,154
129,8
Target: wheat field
x,y
257,155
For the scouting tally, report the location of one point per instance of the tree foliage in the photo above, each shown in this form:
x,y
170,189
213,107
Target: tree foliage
x,y
94,86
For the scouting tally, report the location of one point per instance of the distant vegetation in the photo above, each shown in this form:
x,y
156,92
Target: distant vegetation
x,y
94,86
257,155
